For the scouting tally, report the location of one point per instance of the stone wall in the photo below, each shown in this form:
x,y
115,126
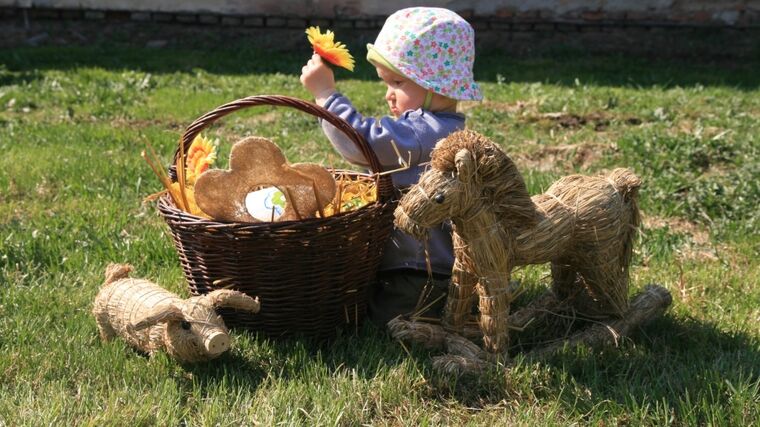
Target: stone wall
x,y
726,13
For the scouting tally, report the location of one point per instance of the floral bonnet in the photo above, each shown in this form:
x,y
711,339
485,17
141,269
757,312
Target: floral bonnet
x,y
434,47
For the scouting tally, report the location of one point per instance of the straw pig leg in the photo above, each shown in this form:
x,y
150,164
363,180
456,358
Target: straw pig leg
x,y
107,332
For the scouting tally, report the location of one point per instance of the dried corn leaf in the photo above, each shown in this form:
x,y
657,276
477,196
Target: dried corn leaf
x,y
353,193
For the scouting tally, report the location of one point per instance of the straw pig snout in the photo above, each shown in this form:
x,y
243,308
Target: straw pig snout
x,y
217,342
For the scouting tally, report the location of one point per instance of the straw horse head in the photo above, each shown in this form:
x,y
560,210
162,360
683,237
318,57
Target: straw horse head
x,y
583,225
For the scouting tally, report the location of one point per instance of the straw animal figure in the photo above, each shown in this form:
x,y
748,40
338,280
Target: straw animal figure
x,y
151,318
584,226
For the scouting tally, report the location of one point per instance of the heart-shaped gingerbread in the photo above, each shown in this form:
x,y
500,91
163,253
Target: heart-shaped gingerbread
x,y
257,163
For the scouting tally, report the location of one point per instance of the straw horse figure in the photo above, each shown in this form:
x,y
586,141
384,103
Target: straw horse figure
x,y
583,225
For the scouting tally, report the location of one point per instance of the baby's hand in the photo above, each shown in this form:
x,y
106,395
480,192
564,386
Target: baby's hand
x,y
318,78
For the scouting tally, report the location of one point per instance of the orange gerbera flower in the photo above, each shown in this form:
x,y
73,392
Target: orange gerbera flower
x,y
200,155
331,51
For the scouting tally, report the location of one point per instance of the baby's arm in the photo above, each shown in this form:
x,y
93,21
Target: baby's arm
x,y
378,133
318,78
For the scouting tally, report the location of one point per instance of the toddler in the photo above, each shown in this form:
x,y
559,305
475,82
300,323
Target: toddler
x,y
424,55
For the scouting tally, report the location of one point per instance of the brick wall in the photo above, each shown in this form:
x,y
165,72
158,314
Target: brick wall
x,y
498,14
691,34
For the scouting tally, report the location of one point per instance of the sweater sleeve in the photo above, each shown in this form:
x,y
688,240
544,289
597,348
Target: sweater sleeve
x,y
379,133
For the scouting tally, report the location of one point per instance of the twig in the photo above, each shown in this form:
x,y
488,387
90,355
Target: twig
x,y
414,363
292,201
180,167
405,164
338,199
316,197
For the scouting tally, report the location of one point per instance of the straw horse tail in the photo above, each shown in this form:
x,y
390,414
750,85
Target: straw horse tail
x,y
626,183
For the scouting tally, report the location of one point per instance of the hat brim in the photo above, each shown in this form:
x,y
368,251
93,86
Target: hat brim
x,y
376,58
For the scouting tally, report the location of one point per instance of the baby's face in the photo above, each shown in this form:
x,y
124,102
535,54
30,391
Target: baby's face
x,y
402,94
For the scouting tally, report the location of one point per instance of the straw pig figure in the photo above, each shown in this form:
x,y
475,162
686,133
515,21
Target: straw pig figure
x,y
583,225
151,318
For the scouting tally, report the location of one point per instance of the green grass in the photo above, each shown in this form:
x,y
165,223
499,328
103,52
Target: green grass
x,y
73,121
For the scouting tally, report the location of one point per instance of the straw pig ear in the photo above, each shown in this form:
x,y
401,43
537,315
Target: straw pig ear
x,y
465,164
232,299
160,313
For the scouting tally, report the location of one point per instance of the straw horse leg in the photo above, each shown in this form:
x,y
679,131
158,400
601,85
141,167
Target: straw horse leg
x,y
461,290
494,301
596,288
564,280
475,269
609,287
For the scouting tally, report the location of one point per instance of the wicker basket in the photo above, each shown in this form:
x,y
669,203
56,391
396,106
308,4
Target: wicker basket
x,y
311,275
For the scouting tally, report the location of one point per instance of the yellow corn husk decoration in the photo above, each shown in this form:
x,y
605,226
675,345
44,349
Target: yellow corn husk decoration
x,y
205,154
351,195
192,206
331,51
200,156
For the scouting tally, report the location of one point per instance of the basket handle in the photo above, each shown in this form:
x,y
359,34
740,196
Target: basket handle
x,y
384,183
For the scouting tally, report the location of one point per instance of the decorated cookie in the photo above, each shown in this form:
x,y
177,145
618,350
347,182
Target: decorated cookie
x,y
257,164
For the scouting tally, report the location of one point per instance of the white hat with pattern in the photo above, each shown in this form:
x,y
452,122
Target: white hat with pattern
x,y
434,47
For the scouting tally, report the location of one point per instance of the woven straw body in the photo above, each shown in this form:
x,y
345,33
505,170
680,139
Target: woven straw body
x,y
151,318
311,275
583,225
586,231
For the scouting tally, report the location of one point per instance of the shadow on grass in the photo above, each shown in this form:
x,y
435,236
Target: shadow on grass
x,y
244,372
366,353
688,366
286,51
672,367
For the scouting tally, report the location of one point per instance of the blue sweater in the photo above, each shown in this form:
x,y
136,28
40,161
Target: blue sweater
x,y
415,134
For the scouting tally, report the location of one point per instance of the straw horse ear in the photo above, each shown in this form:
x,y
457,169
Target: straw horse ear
x,y
160,313
232,299
465,164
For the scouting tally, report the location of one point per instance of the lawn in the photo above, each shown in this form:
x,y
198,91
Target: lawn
x,y
73,120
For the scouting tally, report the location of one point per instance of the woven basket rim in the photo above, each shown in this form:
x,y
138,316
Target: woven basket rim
x,y
166,203
385,190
